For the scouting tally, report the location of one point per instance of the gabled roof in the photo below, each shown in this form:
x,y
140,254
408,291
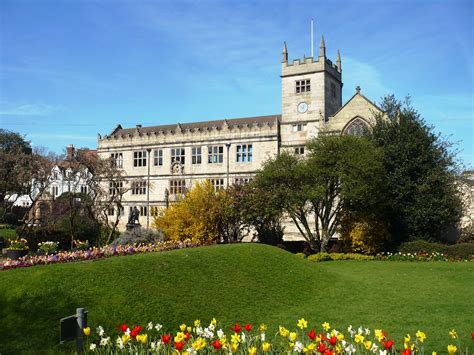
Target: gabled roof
x,y
352,98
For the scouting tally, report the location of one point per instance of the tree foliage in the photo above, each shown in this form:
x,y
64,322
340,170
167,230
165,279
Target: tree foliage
x,y
339,174
420,174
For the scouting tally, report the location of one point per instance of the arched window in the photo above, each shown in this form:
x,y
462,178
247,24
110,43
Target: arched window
x,y
357,128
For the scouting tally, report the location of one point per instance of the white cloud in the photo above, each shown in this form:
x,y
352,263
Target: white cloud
x,y
28,110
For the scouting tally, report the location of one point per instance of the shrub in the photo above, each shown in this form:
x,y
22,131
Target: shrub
x,y
139,236
338,256
461,250
421,246
319,257
364,237
41,234
301,255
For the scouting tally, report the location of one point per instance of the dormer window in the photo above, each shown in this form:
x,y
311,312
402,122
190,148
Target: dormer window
x,y
303,86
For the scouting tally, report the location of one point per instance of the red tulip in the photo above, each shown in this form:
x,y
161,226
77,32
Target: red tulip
x,y
472,335
237,328
216,344
166,338
187,336
312,334
322,336
179,345
123,327
388,344
333,340
135,331
329,352
405,352
321,348
248,327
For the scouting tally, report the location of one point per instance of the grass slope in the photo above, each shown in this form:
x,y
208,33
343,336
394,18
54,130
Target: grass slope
x,y
244,283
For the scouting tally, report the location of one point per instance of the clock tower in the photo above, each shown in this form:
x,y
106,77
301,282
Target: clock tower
x,y
311,92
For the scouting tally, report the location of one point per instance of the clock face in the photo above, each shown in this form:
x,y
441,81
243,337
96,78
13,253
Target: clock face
x,y
302,107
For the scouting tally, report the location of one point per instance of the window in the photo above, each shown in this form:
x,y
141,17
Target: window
x,y
196,155
299,150
55,191
357,128
333,90
117,160
139,188
115,187
55,175
158,157
177,187
242,180
177,155
110,211
299,127
84,189
218,184
303,86
154,211
215,154
139,158
244,153
121,211
143,211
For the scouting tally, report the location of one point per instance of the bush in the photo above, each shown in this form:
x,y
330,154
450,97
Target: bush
x,y
338,256
421,246
301,255
461,250
319,257
37,235
139,236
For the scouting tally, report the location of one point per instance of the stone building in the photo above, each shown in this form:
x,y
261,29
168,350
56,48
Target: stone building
x,y
170,158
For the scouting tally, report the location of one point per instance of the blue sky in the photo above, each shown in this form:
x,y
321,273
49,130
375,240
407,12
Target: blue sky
x,y
72,69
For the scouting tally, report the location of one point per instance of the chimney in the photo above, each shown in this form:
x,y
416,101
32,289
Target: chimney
x,y
70,152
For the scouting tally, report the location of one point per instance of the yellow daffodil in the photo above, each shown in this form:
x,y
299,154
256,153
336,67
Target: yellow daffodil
x,y
305,350
311,346
182,327
420,336
302,324
368,344
234,347
407,338
262,327
452,349
339,349
252,350
293,336
125,338
379,334
142,338
235,338
434,353
213,321
179,337
87,331
359,338
266,347
326,326
197,323
199,344
283,331
340,336
453,334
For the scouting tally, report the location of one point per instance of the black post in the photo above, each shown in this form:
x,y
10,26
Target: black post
x,y
81,318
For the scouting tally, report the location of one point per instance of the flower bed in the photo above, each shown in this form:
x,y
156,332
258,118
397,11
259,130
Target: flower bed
x,y
422,256
95,253
251,339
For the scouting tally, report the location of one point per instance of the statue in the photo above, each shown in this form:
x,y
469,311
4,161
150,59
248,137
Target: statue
x,y
133,219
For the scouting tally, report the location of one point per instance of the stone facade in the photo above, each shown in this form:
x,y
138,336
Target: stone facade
x,y
172,157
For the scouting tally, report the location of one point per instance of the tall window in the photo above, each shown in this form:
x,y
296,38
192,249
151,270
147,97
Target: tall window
x,y
244,153
139,158
242,180
177,155
139,188
117,159
215,154
218,184
158,157
177,187
55,191
196,155
115,187
357,128
84,189
299,127
303,86
143,211
333,90
299,150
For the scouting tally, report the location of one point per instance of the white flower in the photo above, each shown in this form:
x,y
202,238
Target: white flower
x,y
383,352
127,331
220,333
191,351
208,334
158,327
351,331
92,347
199,331
119,343
343,342
104,341
367,331
100,331
153,345
242,337
212,327
360,330
298,347
149,326
262,337
350,349
374,348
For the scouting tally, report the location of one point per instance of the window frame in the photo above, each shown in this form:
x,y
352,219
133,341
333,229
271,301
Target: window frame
x,y
244,153
158,157
139,158
215,154
302,86
178,155
196,155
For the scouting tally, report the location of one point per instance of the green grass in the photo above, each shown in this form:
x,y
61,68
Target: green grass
x,y
244,283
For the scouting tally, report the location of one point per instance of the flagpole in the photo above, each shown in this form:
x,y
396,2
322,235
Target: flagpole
x,y
312,41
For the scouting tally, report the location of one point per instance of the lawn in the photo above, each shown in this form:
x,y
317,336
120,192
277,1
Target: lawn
x,y
245,283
